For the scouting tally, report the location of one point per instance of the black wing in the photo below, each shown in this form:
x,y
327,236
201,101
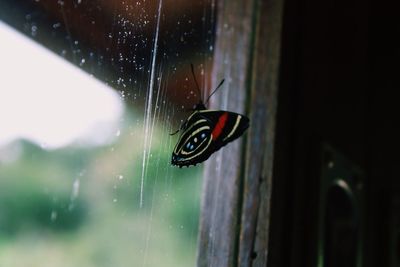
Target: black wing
x,y
207,131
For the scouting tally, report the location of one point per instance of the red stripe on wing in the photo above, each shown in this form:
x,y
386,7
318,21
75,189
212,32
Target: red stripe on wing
x,y
219,126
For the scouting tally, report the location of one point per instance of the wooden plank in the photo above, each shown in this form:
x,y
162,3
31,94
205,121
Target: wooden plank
x,y
260,143
219,221
237,180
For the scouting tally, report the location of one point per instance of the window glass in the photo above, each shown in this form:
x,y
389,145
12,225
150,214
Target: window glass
x,y
89,92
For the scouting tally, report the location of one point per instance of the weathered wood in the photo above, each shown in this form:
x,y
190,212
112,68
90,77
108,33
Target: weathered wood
x,y
237,180
222,177
260,143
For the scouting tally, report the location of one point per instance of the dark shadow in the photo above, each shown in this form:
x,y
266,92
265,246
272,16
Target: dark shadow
x,y
340,242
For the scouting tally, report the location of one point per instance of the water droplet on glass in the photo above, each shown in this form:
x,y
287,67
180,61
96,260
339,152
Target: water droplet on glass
x,y
53,216
120,177
34,30
75,189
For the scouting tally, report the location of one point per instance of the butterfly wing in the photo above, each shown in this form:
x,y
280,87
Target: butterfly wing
x,y
206,131
194,142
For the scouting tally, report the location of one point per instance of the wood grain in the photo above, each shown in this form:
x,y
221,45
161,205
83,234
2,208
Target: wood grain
x,y
255,213
237,180
223,172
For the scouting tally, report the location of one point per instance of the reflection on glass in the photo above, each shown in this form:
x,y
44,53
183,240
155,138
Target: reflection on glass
x,y
77,156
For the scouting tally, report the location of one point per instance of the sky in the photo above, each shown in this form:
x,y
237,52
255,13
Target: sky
x,y
49,101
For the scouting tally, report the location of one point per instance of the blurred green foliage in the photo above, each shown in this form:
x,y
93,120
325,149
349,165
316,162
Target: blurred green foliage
x,y
79,206
33,189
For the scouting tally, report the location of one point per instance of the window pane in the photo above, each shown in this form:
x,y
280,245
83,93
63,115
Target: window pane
x,y
90,91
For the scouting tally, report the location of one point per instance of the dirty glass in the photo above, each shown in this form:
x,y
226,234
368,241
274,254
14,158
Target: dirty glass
x,y
89,92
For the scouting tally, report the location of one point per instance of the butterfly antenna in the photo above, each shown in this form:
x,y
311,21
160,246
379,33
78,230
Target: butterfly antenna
x,y
195,80
174,133
219,85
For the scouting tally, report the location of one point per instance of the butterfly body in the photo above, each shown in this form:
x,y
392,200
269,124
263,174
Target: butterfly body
x,y
204,132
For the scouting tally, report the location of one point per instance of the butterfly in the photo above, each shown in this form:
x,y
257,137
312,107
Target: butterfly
x,y
206,131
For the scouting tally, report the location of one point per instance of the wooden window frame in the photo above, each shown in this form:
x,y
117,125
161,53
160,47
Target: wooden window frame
x,y
235,205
